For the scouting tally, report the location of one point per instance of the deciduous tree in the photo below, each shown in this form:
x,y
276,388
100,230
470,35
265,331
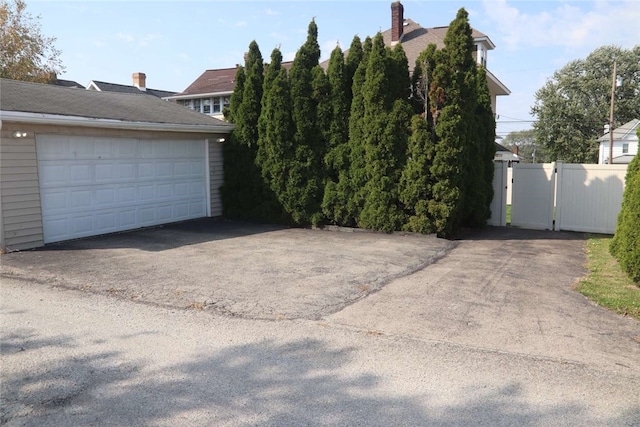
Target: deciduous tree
x,y
25,53
573,105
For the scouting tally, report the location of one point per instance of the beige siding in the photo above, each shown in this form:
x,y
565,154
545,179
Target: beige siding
x,y
21,212
20,206
216,177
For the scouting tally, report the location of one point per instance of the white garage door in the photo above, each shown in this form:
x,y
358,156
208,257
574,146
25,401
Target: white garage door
x,y
91,186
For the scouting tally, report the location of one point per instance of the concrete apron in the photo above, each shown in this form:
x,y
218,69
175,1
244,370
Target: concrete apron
x,y
506,290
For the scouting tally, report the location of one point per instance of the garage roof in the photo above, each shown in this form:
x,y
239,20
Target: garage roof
x,y
41,103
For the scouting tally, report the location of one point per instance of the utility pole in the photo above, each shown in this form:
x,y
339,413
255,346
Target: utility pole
x,y
613,93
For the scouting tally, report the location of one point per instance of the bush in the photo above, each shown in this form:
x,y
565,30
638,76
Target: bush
x,y
625,245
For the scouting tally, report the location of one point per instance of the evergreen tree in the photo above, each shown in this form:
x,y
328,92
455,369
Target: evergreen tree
x,y
400,80
384,132
416,182
453,100
248,113
350,186
244,193
337,204
336,158
353,60
485,136
625,245
306,170
276,149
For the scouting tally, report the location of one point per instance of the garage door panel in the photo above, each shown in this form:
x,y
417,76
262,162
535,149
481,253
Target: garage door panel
x,y
81,199
82,224
196,188
57,228
126,194
93,186
54,200
53,174
164,170
82,173
145,170
106,196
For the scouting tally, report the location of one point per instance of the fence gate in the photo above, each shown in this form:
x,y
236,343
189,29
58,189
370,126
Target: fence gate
x,y
532,197
500,201
558,196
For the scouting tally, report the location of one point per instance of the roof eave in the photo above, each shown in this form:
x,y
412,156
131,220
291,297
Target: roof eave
x,y
498,83
198,95
53,119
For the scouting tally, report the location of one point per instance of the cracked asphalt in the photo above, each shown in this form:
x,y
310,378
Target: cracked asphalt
x,y
237,269
231,324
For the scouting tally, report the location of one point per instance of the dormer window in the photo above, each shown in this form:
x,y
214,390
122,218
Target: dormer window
x,y
481,55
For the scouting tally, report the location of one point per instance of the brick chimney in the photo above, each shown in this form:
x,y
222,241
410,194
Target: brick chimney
x,y
140,81
397,21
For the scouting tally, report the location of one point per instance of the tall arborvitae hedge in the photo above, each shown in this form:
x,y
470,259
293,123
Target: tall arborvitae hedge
x,y
416,182
625,245
337,157
306,179
343,202
243,192
456,169
384,126
485,136
364,144
276,149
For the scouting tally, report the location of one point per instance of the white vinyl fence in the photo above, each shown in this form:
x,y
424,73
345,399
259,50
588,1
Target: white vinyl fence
x,y
558,196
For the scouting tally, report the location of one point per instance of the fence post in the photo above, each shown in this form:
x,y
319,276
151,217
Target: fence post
x,y
558,196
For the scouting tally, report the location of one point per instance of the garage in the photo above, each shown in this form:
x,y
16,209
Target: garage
x,y
92,186
76,163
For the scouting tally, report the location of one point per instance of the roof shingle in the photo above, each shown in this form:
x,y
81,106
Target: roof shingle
x,y
18,96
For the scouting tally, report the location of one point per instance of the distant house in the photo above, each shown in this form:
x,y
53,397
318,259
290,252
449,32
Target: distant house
x,y
66,83
138,86
211,92
503,154
625,144
416,38
77,163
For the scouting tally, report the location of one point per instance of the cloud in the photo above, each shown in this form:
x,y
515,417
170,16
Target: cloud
x,y
241,24
127,38
271,12
570,25
140,40
288,56
281,37
327,47
148,38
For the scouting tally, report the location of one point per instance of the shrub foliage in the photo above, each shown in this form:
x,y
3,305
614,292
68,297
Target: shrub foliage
x,y
625,245
364,143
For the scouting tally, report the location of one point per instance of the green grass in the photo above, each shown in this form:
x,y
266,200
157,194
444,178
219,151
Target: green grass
x,y
508,214
606,284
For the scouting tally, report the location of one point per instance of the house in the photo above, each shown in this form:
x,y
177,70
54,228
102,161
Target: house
x,y
66,83
415,39
138,86
625,144
77,163
211,92
503,154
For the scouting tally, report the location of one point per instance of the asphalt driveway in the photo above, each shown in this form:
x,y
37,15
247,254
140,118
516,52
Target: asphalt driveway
x,y
499,289
232,268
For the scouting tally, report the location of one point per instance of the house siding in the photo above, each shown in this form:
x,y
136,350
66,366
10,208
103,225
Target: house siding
x,y
216,174
20,208
20,205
